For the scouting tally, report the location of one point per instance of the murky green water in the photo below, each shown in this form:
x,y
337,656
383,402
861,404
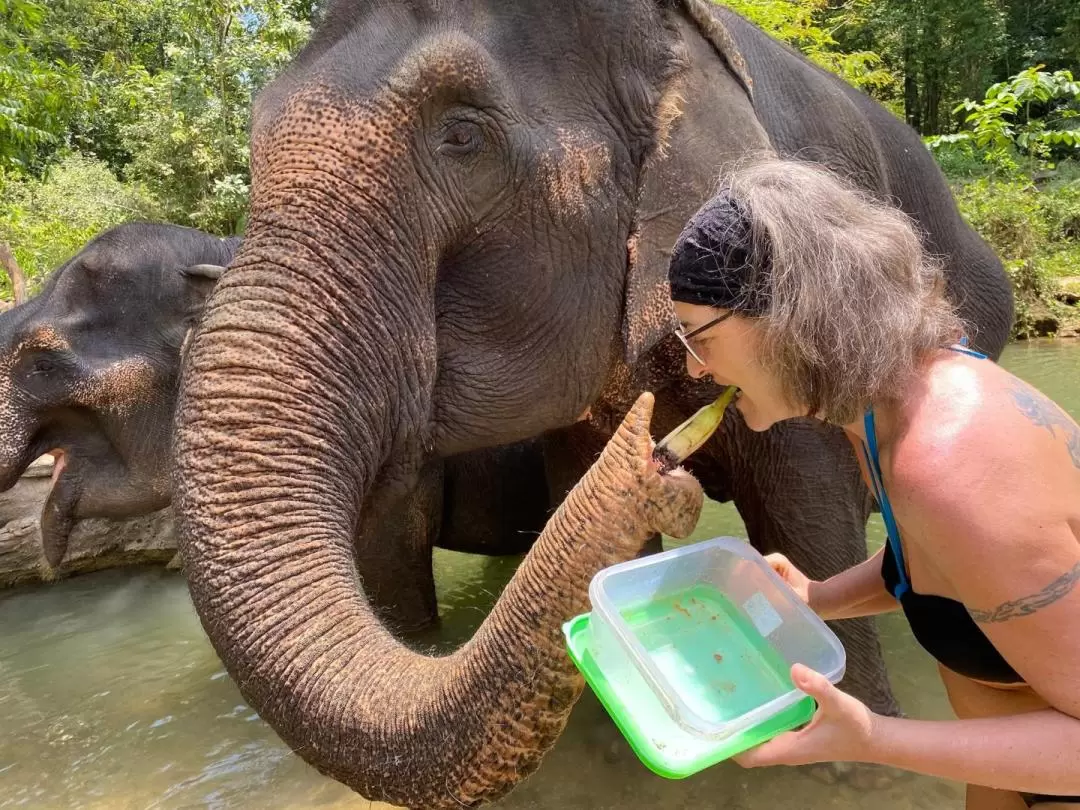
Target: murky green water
x,y
110,697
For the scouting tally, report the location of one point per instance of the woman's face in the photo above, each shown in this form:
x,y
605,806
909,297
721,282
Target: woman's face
x,y
731,354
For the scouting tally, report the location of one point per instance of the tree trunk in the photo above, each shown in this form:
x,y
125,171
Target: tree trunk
x,y
14,272
912,108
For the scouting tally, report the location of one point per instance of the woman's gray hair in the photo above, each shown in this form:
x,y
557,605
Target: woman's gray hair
x,y
855,303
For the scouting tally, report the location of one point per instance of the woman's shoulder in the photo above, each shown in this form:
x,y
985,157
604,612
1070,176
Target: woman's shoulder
x,y
972,425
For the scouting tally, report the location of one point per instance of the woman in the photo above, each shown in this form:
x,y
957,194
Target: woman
x,y
816,300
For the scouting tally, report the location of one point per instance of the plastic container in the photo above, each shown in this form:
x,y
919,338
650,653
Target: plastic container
x,y
690,652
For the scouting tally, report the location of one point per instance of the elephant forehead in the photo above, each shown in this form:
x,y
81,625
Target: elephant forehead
x,y
367,126
44,337
449,59
577,163
319,120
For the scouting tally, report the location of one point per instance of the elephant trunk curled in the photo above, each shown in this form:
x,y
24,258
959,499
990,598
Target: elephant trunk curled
x,y
274,462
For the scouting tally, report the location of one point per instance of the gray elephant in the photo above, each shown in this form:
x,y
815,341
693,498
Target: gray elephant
x,y
459,235
91,370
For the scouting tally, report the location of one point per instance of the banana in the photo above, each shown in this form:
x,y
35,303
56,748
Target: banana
x,y
677,446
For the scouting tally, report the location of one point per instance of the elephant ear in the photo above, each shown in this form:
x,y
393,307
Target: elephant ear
x,y
705,15
199,281
648,316
209,271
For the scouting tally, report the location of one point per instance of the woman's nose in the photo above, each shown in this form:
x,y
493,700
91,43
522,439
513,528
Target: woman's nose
x,y
694,368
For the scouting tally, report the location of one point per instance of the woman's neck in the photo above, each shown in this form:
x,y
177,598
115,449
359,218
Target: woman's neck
x,y
887,418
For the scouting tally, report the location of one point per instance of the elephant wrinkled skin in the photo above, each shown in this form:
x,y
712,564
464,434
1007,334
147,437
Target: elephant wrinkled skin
x,y
460,225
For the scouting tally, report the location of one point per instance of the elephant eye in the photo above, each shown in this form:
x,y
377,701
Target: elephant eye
x,y
460,139
45,364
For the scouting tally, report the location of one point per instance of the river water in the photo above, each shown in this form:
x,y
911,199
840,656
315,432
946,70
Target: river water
x,y
111,697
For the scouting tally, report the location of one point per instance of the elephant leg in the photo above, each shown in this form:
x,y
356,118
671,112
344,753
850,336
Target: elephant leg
x,y
567,454
485,502
799,492
393,551
495,501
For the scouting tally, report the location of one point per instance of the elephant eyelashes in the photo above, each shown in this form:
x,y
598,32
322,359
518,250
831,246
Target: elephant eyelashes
x,y
460,139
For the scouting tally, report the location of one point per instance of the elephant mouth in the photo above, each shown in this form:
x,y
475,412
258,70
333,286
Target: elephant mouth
x,y
59,463
58,511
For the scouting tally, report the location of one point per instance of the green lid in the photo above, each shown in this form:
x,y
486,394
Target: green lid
x,y
633,707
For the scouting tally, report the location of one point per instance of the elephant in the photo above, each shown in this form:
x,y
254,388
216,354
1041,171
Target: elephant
x,y
461,220
90,369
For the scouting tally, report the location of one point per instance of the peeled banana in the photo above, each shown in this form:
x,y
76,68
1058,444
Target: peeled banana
x,y
677,446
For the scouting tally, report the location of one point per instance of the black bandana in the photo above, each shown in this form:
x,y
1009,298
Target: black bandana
x,y
712,263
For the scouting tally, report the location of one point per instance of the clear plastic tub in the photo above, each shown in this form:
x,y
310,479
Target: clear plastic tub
x,y
713,631
661,744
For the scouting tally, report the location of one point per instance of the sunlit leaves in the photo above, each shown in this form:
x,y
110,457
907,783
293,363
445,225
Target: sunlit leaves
x,y
1030,114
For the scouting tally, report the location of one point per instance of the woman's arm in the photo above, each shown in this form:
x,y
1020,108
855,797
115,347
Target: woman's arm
x,y
1038,752
859,591
994,515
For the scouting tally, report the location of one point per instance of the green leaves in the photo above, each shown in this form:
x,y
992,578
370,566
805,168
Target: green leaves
x,y
1023,117
45,221
37,95
188,137
159,89
811,26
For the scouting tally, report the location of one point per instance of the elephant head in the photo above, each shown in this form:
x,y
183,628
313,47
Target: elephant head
x,y
89,371
442,254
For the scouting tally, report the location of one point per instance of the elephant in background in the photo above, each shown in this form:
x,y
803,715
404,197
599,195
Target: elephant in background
x,y
459,233
90,368
90,372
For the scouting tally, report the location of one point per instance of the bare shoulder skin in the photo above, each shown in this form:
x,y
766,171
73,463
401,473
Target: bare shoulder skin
x,y
984,475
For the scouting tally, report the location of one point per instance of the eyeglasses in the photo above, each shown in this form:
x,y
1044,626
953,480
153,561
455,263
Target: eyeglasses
x,y
685,338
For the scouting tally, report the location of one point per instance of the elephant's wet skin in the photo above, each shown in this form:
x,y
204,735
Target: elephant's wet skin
x,y
461,222
394,725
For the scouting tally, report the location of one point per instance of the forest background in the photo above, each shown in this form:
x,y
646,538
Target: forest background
x,y
112,110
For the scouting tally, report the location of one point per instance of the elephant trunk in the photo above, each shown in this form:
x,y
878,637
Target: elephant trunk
x,y
274,464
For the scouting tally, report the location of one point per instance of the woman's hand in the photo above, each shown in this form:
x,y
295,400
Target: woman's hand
x,y
796,579
842,729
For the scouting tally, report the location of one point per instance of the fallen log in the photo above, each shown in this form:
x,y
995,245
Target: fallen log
x,y
95,543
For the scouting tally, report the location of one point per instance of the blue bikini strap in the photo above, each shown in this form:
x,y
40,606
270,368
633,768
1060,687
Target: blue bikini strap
x,y
963,349
870,453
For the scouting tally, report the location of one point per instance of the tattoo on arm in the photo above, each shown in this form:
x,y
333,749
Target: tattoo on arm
x,y
1025,606
1043,413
